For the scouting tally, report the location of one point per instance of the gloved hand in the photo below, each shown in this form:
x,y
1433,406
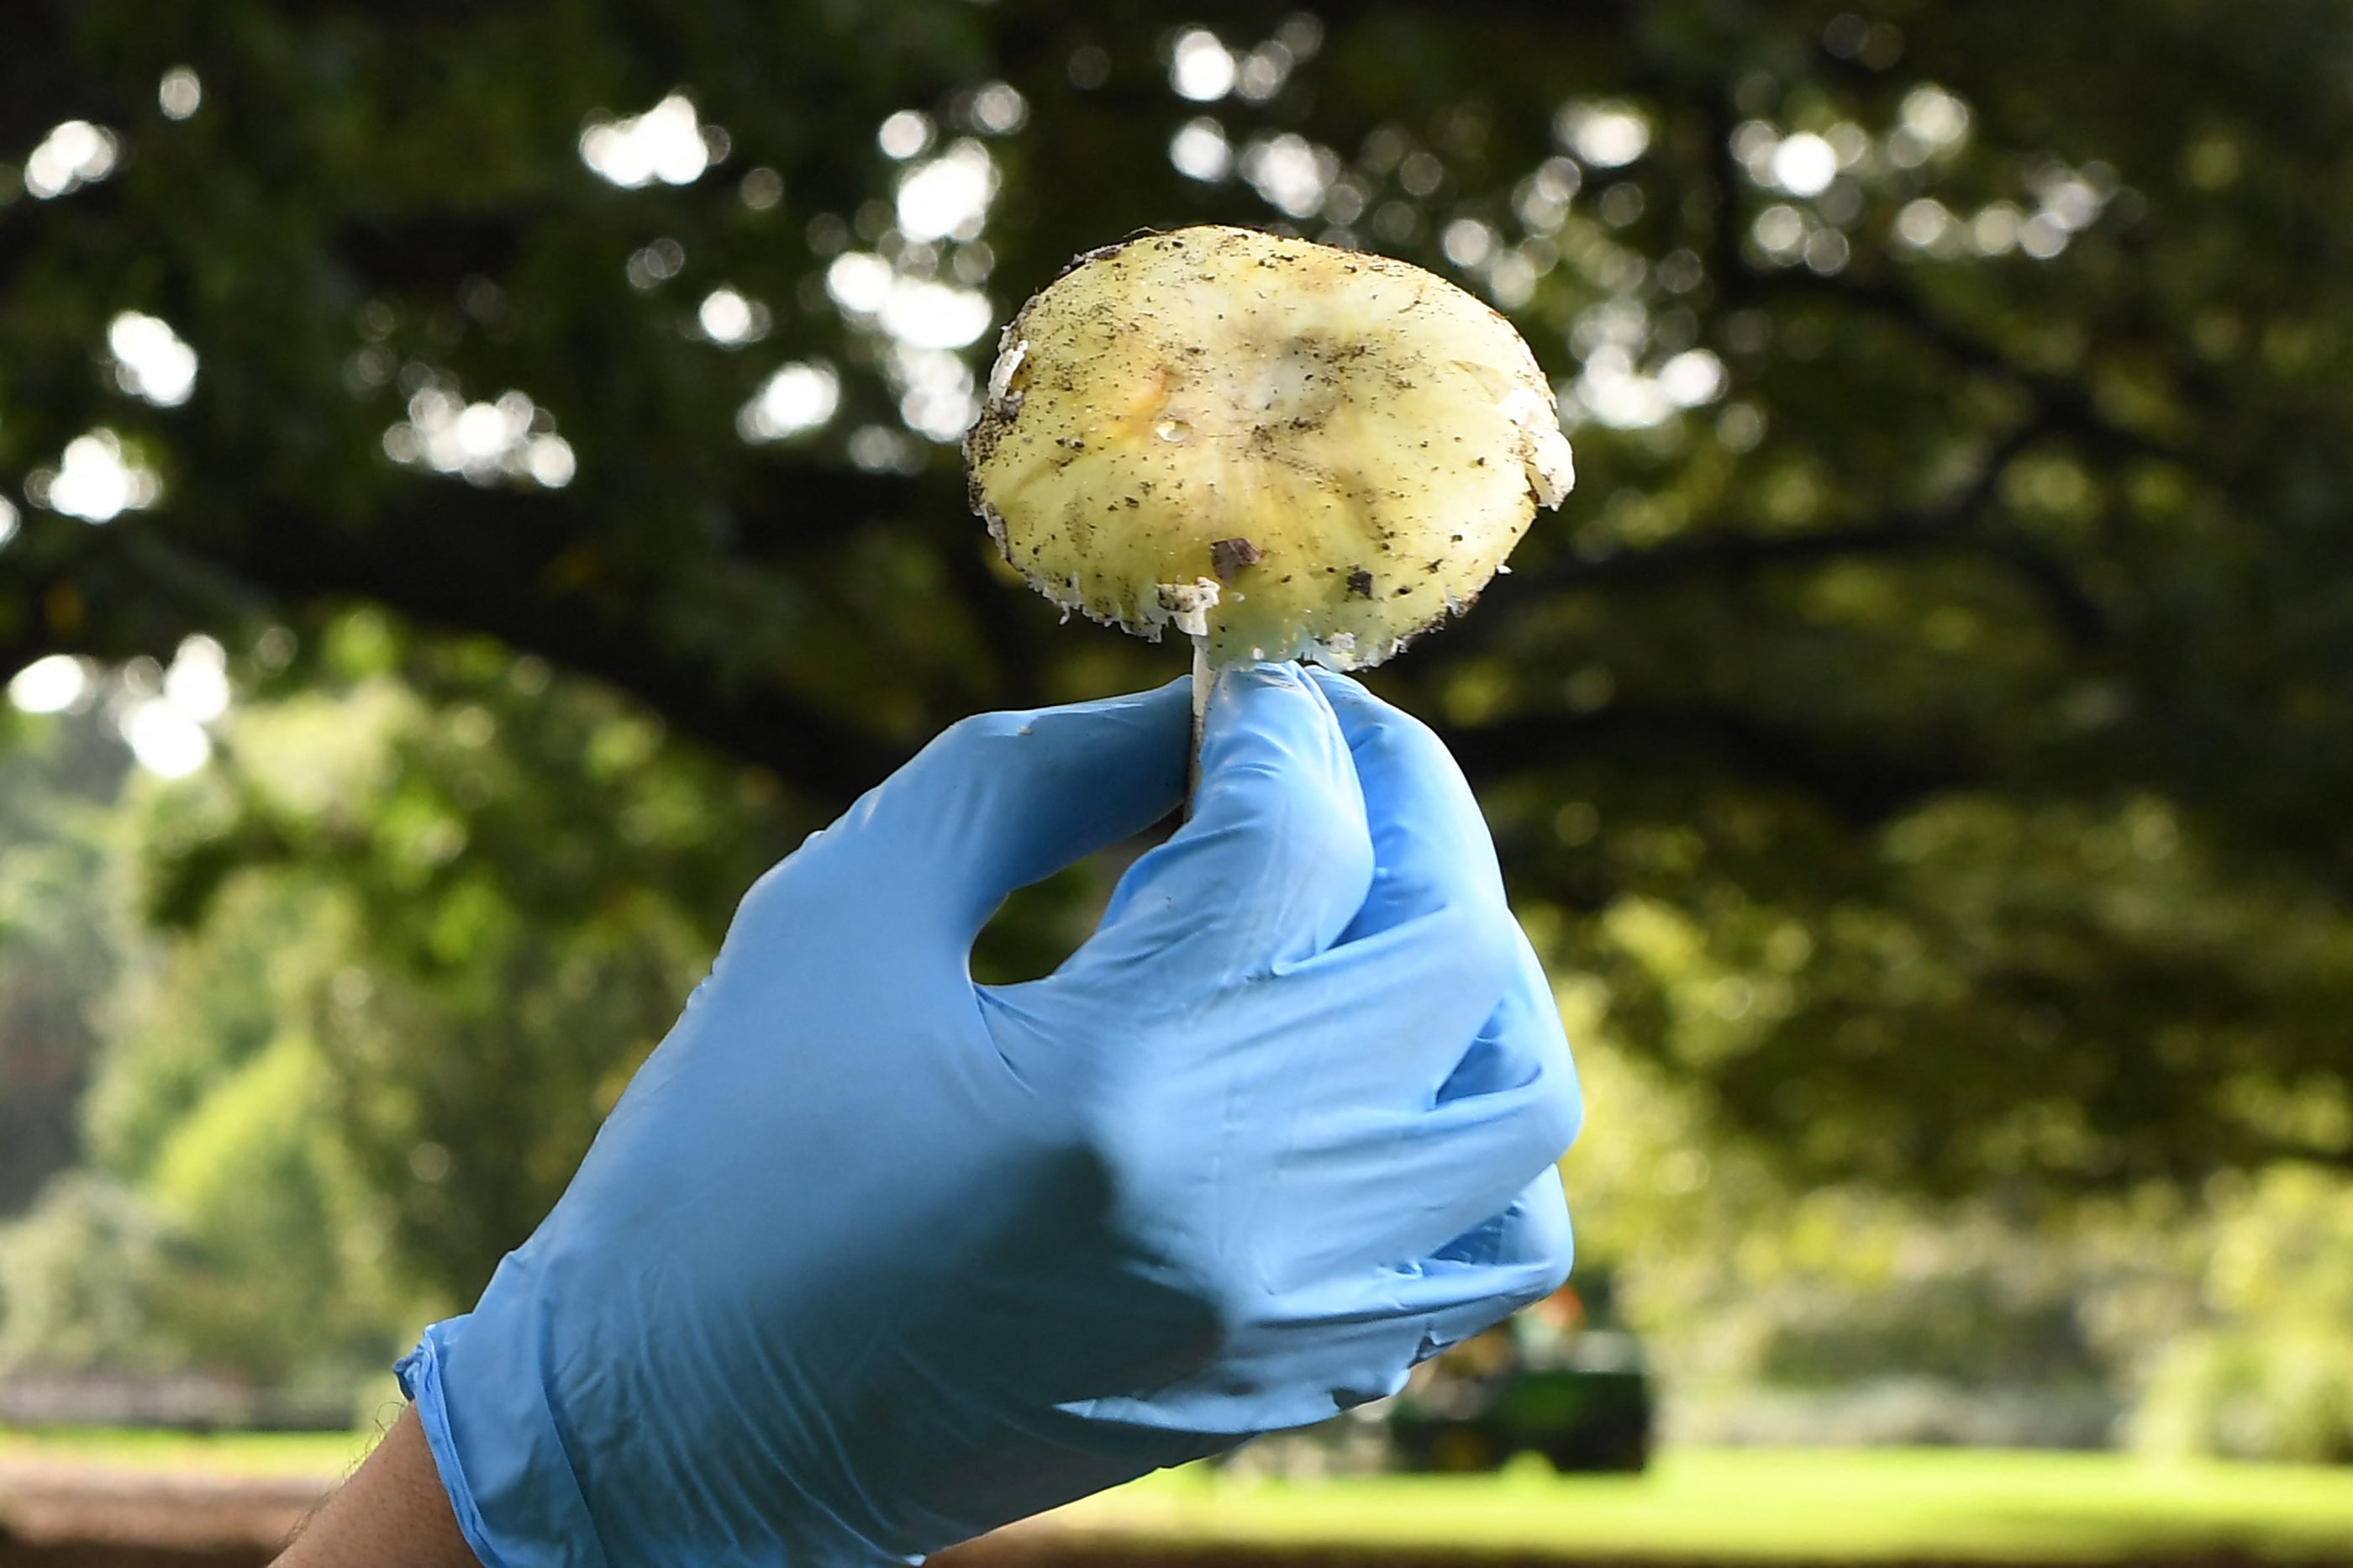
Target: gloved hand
x,y
869,1259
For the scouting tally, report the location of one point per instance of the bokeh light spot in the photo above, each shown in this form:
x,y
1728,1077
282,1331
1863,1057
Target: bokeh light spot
x,y
167,743
948,196
904,134
762,189
1290,173
1604,134
1936,117
1467,242
512,438
73,153
179,93
150,360
1200,68
49,685
1692,378
1804,164
96,481
1199,151
998,109
665,144
797,398
728,318
197,681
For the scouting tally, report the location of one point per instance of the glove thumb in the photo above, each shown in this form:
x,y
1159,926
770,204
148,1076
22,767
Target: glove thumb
x,y
1001,800
1275,862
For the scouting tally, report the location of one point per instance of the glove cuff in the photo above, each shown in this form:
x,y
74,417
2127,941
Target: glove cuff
x,y
514,1470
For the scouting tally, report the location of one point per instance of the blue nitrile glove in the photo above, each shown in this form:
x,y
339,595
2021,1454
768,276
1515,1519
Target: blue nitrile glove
x,y
869,1258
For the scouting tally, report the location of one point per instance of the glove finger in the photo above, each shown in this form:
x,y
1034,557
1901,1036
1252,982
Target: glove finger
x,y
1361,1187
1273,864
1523,1038
1429,838
1519,1257
1435,855
1440,1009
1323,1345
1000,800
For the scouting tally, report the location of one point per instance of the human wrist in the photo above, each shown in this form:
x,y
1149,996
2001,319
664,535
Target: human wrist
x,y
393,1511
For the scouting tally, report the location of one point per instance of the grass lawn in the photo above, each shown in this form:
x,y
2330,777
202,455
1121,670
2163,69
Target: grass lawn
x,y
235,1454
1861,1505
1725,1503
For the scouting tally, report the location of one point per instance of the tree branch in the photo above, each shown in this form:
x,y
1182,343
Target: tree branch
x,y
1954,526
448,556
1860,786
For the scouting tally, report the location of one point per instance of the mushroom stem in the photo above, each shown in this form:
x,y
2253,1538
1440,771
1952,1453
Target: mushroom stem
x,y
1203,680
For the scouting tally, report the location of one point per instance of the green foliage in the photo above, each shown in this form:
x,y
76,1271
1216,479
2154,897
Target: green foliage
x,y
492,890
62,934
1779,1312
2270,1374
425,915
1945,1022
260,1189
79,1278
224,1226
199,1015
1958,673
2209,1322
1922,752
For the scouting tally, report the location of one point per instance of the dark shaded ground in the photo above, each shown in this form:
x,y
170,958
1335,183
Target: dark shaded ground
x,y
1099,1555
1033,1553
18,1555
69,1517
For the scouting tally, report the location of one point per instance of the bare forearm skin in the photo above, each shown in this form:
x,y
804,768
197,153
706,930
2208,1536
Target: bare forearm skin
x,y
391,1513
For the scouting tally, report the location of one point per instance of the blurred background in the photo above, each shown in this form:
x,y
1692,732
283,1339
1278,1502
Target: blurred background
x,y
480,482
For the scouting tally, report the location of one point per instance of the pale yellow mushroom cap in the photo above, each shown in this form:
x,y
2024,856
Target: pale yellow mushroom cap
x,y
1295,451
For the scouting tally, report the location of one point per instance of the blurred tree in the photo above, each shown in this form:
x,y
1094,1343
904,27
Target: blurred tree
x,y
2269,1373
78,1279
65,933
225,1224
1929,719
488,907
219,1219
